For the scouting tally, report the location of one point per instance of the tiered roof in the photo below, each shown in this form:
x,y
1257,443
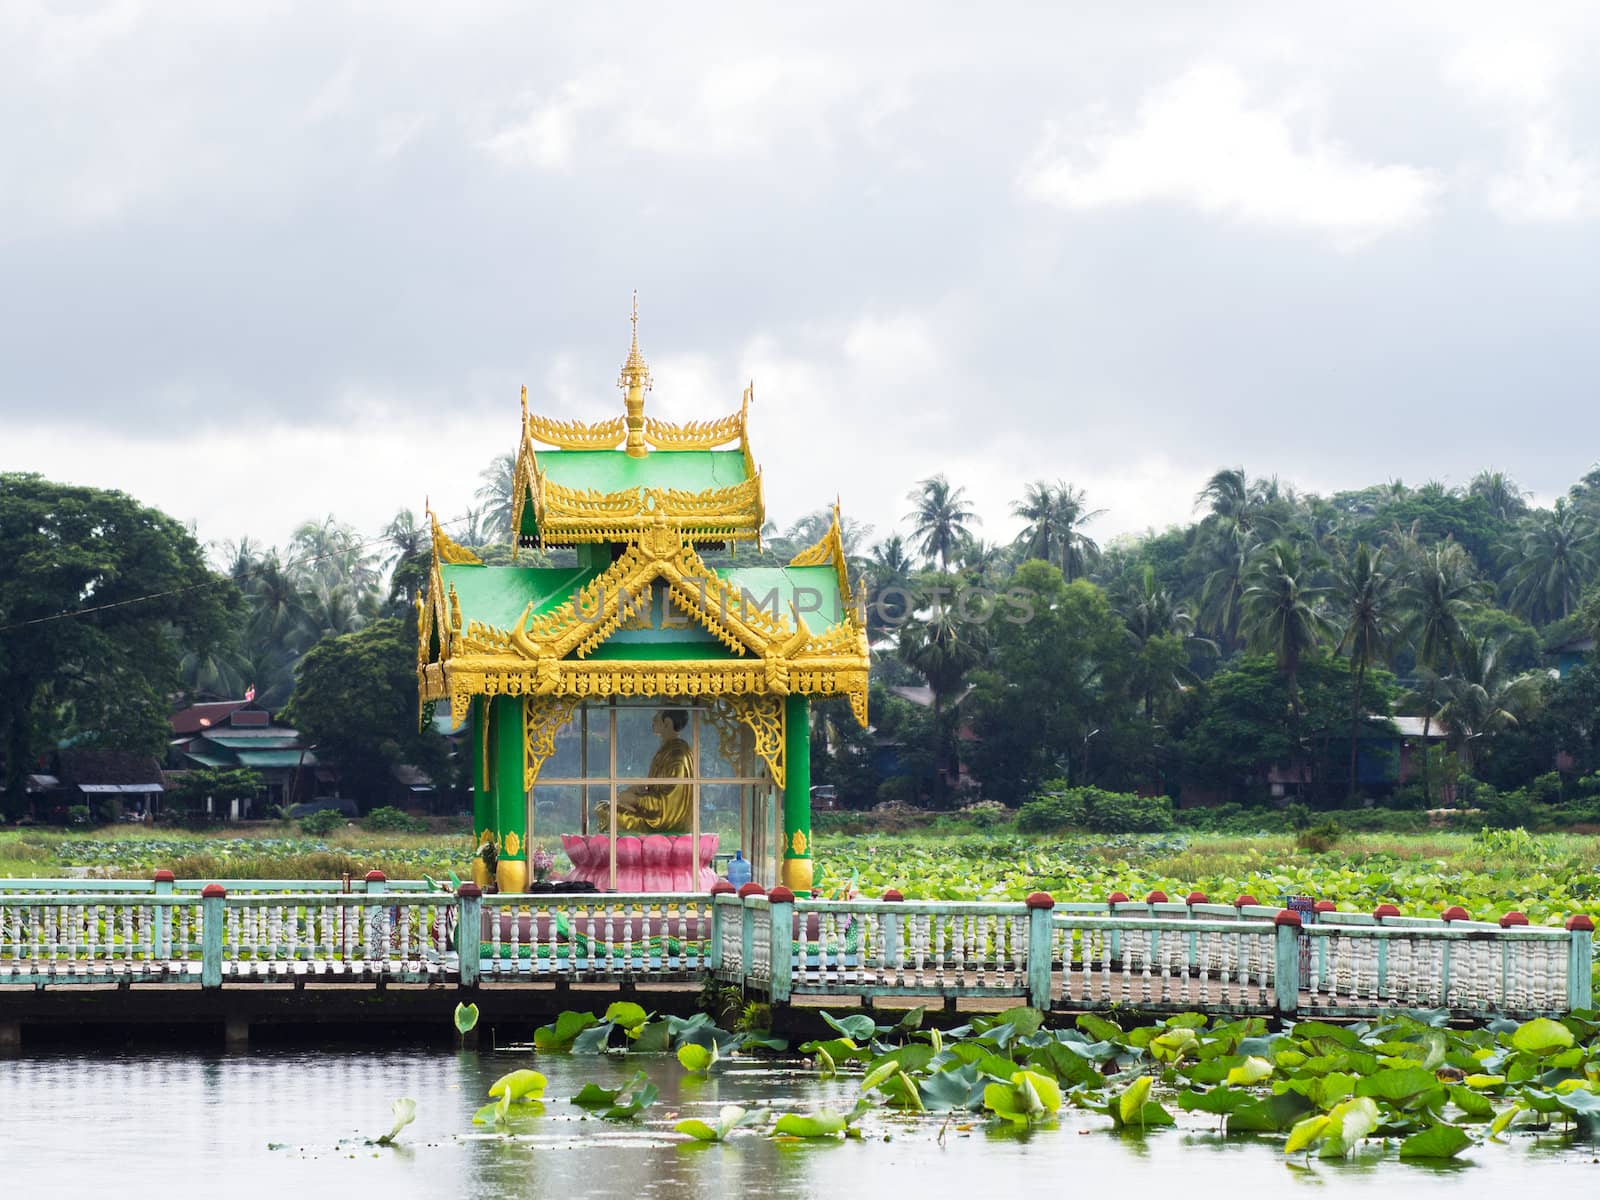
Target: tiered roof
x,y
650,617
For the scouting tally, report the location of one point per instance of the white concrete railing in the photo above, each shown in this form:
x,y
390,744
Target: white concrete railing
x,y
595,936
1071,956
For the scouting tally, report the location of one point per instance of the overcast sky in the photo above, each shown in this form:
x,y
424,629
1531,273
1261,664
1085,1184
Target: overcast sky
x,y
264,262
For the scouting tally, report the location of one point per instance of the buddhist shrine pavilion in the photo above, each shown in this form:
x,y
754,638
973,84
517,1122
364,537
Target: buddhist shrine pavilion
x,y
639,714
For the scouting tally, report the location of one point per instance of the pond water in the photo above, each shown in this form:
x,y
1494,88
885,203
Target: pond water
x,y
294,1124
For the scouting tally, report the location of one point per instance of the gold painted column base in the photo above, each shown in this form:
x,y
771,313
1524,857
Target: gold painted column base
x,y
797,875
480,873
512,876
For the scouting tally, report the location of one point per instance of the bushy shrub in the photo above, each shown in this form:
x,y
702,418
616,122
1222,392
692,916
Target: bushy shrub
x,y
79,814
1054,809
1321,838
322,822
393,820
1057,808
1546,789
1297,815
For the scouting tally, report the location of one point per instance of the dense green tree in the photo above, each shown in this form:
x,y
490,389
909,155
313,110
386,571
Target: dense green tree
x,y
355,698
940,518
942,644
1241,722
100,601
222,785
1057,671
1431,518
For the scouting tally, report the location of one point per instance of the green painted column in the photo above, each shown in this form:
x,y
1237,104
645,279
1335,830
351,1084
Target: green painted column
x,y
797,874
483,814
510,797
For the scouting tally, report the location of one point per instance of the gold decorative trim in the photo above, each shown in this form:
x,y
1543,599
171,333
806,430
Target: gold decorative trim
x,y
829,550
574,435
763,717
447,551
542,717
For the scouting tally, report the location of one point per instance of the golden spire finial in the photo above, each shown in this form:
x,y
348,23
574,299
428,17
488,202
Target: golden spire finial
x,y
635,382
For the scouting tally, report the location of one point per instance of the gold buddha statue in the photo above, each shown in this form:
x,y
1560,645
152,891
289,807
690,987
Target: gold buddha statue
x,y
658,807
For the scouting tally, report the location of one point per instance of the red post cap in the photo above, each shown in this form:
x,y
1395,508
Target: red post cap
x,y
1287,917
1195,898
213,891
721,888
1117,898
1579,921
893,895
781,895
1455,913
469,891
1513,918
1324,906
1156,897
164,876
1385,910
752,889
377,877
1040,900
1247,898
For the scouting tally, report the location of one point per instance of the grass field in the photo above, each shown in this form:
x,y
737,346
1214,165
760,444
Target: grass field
x,y
1488,873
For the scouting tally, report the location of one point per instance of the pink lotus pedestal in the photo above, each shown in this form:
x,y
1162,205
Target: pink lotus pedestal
x,y
657,862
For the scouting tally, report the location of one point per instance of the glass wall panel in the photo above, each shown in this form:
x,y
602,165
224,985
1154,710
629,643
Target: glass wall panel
x,y
717,761
557,809
570,760
720,814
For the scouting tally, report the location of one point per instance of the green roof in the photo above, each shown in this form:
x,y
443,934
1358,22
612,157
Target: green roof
x,y
210,760
614,471
276,758
497,596
241,742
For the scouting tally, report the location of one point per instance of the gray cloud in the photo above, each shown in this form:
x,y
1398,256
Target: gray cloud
x,y
329,243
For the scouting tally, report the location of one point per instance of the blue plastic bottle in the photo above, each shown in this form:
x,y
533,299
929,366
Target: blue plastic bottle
x,y
738,870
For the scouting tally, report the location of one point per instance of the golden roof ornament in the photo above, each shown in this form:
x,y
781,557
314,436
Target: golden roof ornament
x,y
635,382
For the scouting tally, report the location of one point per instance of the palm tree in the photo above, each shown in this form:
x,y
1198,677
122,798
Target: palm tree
x,y
982,559
888,575
1229,553
1505,498
410,546
1278,610
1439,590
1480,699
1149,612
1554,558
1366,593
498,492
1055,516
330,554
940,518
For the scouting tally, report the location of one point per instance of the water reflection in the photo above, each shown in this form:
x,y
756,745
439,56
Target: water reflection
x,y
261,1124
